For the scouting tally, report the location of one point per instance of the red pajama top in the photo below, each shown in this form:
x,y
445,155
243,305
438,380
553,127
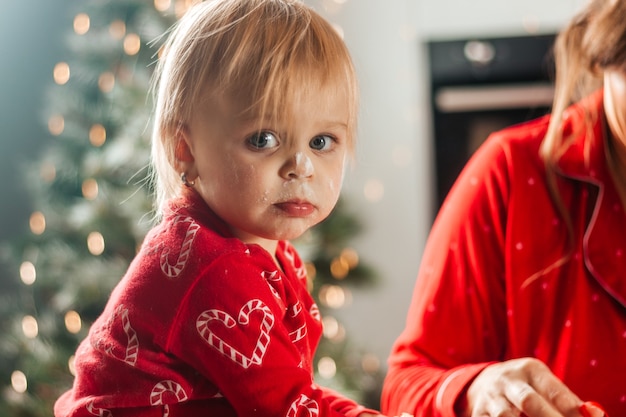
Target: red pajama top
x,y
203,325
480,295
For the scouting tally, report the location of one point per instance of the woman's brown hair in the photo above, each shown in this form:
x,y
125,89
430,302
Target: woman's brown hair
x,y
592,42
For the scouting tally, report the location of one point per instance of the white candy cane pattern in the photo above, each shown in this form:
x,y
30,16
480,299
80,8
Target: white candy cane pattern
x,y
315,312
301,272
170,389
129,356
132,348
205,322
172,271
304,404
99,412
272,276
301,331
290,254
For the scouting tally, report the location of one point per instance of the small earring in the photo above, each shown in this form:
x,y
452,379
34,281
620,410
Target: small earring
x,y
183,178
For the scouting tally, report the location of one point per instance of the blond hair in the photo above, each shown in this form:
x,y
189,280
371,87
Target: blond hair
x,y
268,51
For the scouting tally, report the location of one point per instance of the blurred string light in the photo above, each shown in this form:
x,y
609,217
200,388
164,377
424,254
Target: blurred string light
x,y
30,328
132,44
37,223
19,382
97,135
81,23
90,189
71,365
339,268
73,322
95,243
341,265
106,82
28,273
334,296
56,124
61,73
162,5
326,367
117,29
333,330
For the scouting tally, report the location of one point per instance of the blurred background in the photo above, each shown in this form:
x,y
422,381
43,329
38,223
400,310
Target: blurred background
x,y
436,78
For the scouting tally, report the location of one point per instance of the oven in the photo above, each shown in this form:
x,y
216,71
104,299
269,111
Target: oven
x,y
478,86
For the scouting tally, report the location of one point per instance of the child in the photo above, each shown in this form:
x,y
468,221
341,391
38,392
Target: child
x,y
255,117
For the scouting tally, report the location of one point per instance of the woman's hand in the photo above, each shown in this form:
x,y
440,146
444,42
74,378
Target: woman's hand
x,y
521,387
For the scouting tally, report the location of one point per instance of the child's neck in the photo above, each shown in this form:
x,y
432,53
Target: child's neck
x,y
269,245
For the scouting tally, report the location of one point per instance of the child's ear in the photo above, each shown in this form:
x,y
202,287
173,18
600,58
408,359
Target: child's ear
x,y
184,161
183,150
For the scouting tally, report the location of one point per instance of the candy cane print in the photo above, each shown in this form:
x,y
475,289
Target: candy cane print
x,y
272,276
205,322
131,352
315,312
99,412
167,387
132,347
172,271
306,404
301,331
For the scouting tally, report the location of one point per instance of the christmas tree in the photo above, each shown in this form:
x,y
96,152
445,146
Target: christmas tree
x,y
93,208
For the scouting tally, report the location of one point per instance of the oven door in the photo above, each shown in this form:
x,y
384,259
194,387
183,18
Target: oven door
x,y
480,86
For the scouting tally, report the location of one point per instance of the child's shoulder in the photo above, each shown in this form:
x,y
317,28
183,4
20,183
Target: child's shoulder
x,y
180,235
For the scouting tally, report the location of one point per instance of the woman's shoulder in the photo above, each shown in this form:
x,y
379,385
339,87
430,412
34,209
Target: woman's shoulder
x,y
528,134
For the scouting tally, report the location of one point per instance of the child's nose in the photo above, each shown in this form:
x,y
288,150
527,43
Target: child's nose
x,y
298,165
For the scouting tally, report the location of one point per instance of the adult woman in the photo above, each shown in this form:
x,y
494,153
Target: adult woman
x,y
520,303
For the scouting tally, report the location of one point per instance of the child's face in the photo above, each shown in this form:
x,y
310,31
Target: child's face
x,y
276,183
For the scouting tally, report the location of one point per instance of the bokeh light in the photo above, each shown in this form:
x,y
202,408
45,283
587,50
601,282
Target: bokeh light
x,y
81,23
19,382
117,29
56,124
30,327
162,5
132,44
95,243
106,82
326,367
61,73
37,223
73,322
90,189
97,135
28,273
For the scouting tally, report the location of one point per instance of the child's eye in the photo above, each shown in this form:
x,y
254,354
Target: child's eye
x,y
263,140
321,143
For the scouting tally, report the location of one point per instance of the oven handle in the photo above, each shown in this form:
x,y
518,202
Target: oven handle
x,y
493,97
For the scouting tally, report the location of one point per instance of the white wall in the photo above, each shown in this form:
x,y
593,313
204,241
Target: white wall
x,y
394,157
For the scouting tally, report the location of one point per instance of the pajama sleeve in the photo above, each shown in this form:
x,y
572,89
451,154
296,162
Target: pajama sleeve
x,y
458,306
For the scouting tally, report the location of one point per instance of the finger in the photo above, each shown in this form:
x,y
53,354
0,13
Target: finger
x,y
556,393
592,409
527,400
501,407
